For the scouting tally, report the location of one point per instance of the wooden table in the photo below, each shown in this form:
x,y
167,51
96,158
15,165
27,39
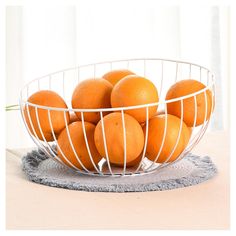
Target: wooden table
x,y
204,206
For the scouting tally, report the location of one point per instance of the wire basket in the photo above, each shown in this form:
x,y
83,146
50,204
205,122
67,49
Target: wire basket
x,y
162,72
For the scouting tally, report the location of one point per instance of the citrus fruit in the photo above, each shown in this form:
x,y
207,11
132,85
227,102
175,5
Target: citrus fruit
x,y
156,130
135,90
73,117
116,75
114,134
190,129
203,105
78,140
93,94
133,163
58,121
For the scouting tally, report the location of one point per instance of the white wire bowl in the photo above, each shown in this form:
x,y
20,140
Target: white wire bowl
x,y
162,72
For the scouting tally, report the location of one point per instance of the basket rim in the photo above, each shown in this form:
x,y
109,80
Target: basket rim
x,y
110,109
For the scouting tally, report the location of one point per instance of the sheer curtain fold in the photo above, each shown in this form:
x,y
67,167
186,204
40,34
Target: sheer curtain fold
x,y
41,40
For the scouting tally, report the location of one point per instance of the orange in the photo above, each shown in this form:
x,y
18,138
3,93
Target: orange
x,y
162,112
78,141
115,138
135,90
93,94
51,99
185,87
156,135
116,75
73,117
190,129
134,163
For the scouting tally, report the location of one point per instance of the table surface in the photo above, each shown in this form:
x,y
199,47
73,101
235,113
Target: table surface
x,y
204,206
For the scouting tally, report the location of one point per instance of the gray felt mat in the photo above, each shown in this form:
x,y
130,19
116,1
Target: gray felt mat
x,y
189,171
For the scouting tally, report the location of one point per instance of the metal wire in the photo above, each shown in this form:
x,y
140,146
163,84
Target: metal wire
x,y
105,144
145,141
118,108
176,71
57,145
36,138
48,147
162,75
45,143
190,71
87,144
162,143
179,134
124,139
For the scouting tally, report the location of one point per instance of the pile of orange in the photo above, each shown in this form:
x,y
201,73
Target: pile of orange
x,y
109,133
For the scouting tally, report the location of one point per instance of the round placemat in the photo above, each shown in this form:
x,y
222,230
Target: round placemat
x,y
191,170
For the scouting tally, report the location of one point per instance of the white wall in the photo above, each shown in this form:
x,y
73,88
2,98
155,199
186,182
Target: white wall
x,y
15,133
122,29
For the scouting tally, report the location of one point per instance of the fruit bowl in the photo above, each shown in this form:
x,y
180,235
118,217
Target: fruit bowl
x,y
193,115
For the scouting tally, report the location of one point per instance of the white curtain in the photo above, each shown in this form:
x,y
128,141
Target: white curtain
x,y
41,40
